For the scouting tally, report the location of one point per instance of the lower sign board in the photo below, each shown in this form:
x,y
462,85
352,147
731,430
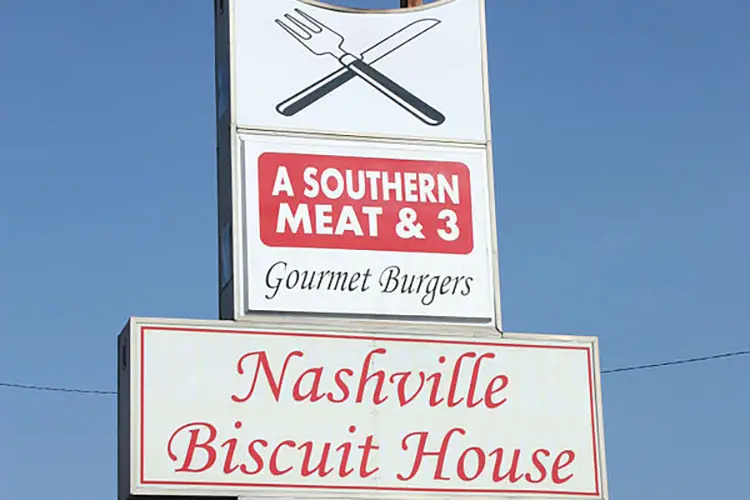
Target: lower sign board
x,y
211,408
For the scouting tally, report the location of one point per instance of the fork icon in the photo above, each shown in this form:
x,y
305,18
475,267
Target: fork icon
x,y
322,40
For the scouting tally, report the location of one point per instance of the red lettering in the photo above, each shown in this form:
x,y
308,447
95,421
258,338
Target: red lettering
x,y
434,399
346,449
538,465
512,473
255,455
273,464
320,468
435,378
421,453
452,402
194,448
365,377
341,385
273,383
462,463
313,394
367,448
232,444
401,386
228,467
471,403
194,445
307,386
492,390
558,465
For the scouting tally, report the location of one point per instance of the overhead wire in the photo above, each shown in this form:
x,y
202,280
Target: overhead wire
x,y
48,388
677,362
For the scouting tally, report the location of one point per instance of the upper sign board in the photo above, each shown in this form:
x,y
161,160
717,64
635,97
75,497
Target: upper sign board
x,y
290,411
355,169
308,66
337,226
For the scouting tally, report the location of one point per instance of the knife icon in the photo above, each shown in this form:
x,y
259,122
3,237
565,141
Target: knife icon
x,y
331,82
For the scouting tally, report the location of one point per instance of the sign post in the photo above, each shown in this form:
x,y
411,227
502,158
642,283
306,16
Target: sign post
x,y
359,351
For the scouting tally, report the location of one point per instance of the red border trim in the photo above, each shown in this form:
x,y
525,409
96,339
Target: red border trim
x,y
141,457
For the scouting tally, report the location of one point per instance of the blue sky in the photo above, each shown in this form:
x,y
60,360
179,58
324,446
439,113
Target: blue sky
x,y
623,182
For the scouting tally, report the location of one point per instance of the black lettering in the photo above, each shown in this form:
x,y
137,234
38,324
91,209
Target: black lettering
x,y
409,278
389,279
321,277
353,281
429,297
279,277
393,280
293,275
307,280
275,283
422,279
341,277
445,284
368,275
457,282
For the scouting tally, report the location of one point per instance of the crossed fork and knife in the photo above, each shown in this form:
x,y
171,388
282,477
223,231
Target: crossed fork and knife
x,y
323,41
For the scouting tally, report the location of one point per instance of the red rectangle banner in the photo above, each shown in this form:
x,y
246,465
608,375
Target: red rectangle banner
x,y
340,202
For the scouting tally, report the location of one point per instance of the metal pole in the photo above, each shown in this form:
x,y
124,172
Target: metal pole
x,y
405,4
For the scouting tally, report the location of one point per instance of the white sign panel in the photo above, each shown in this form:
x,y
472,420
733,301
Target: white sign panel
x,y
355,228
209,408
355,171
402,73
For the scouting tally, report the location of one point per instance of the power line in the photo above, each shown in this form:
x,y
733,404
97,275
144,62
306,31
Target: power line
x,y
677,362
47,388
633,368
